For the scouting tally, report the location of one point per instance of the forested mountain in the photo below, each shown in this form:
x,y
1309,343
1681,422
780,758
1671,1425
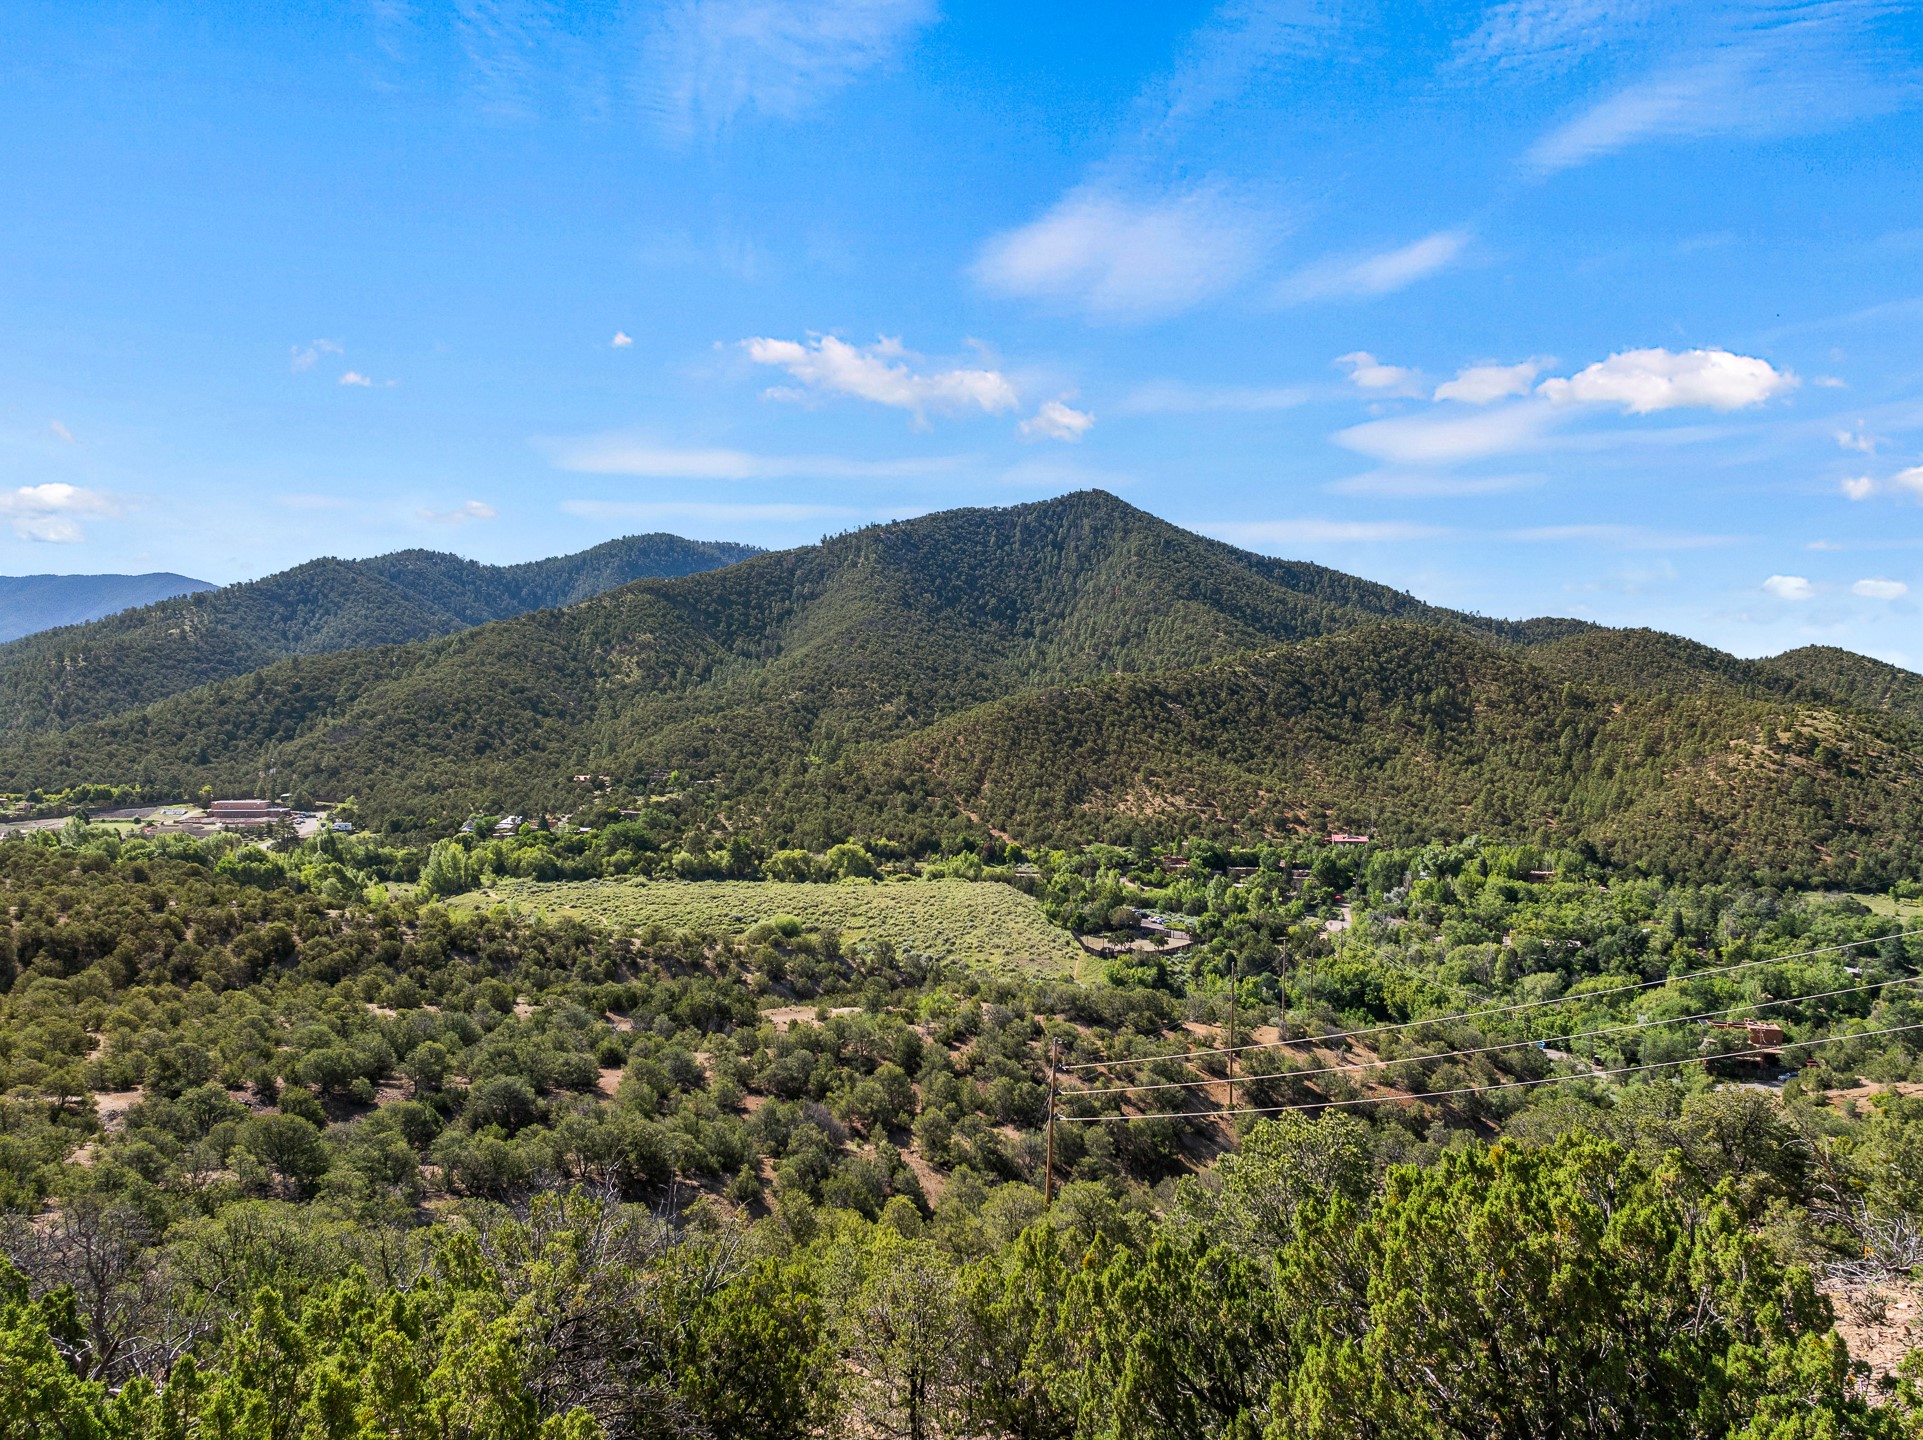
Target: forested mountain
x,y
30,603
1410,734
82,673
1856,679
744,672
1073,669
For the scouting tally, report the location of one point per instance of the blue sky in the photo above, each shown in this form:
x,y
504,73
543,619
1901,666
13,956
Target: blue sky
x,y
1604,309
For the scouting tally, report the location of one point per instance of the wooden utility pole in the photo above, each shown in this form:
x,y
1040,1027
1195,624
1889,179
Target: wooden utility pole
x,y
1048,1167
1235,976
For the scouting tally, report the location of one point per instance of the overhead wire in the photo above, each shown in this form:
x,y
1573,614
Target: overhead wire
x,y
1572,1036
1504,1009
1474,1089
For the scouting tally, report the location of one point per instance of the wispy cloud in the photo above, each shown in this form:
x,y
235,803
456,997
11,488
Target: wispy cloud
x,y
1378,378
883,374
1756,71
627,455
1486,384
724,512
1117,256
621,341
1419,484
1321,532
1448,439
61,432
710,61
305,357
52,512
354,377
1173,397
460,514
1376,273
1620,537
1548,36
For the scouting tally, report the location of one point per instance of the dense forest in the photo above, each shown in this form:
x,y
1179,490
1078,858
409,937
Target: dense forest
x,y
915,681
41,602
1061,673
310,1139
78,673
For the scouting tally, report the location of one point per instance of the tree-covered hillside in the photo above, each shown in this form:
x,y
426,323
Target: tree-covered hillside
x,y
1069,670
1409,733
78,673
737,673
1855,679
29,603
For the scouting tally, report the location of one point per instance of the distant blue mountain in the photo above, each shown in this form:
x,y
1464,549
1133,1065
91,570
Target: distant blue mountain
x,y
40,602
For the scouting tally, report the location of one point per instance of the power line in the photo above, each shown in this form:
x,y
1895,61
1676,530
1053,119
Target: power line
x,y
1510,1044
1477,1089
1509,1009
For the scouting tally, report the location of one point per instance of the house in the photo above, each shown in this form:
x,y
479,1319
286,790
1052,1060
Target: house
x,y
507,825
246,814
1542,877
1348,839
1172,862
1760,1033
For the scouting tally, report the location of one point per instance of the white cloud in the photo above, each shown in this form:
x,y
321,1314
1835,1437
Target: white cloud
x,y
1644,381
61,432
461,514
305,357
1859,487
1789,587
1622,537
724,512
1550,35
1380,273
1485,384
626,455
52,512
622,340
1880,589
1172,397
354,377
1320,532
1123,258
1369,373
880,373
1783,69
1858,439
708,61
1419,440
1418,483
1057,421
1910,479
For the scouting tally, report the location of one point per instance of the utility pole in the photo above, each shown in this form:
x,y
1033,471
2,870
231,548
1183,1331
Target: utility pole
x,y
1048,1170
1235,976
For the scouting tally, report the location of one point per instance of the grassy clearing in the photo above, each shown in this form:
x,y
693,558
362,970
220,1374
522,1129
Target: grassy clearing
x,y
1906,910
976,924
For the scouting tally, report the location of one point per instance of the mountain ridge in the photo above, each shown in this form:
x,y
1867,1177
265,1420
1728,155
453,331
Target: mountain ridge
x,y
80,673
33,603
863,684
